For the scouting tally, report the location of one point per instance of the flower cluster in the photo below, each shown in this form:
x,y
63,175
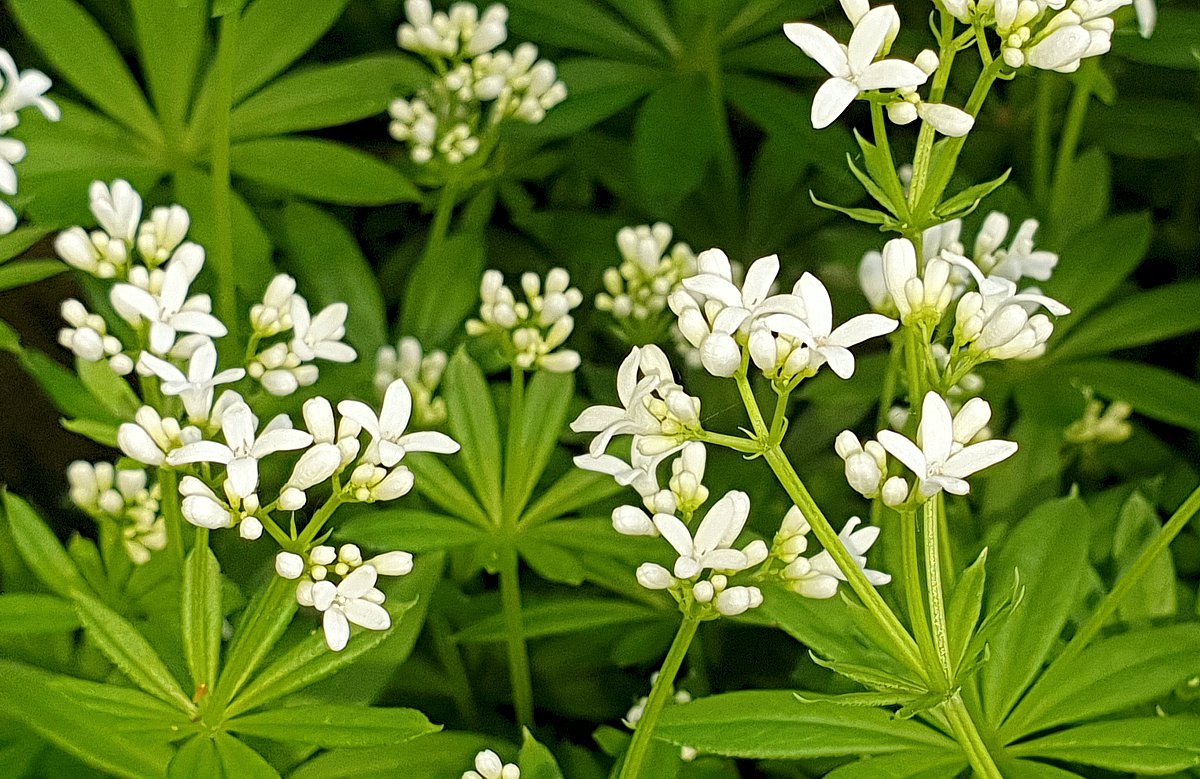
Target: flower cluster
x,y
421,372
354,598
476,88
297,338
818,576
637,290
123,498
530,331
1100,425
18,90
862,67
488,765
1047,34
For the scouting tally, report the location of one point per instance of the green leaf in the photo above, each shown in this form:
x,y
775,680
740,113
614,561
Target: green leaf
x,y
772,724
599,88
273,34
18,274
552,562
171,38
572,491
328,95
1173,44
308,662
197,757
669,164
968,200
109,389
873,189
63,387
546,405
86,57
312,238
1083,196
473,424
201,616
1113,675
413,530
438,754
129,651
909,764
1156,392
103,433
240,761
865,215
40,550
322,170
1136,320
333,725
53,712
560,617
437,302
963,613
1150,745
1153,596
261,626
535,760
1082,283
578,24
436,482
20,241
252,248
28,613
1048,550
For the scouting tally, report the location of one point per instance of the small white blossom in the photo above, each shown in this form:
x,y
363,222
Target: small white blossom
x,y
118,209
421,372
196,388
274,314
1020,259
353,600
22,89
150,437
170,311
530,331
710,549
369,483
939,460
121,497
488,765
866,464
162,233
853,69
917,298
818,576
639,287
320,337
88,338
389,442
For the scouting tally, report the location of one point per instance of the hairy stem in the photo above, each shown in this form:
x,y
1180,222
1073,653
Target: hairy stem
x,y
1132,576
660,693
514,628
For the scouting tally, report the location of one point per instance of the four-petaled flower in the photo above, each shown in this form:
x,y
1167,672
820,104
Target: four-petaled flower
x,y
353,599
196,388
171,310
389,443
853,68
939,460
711,546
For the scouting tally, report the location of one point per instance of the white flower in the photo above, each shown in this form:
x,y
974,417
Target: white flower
x,y
1019,259
653,576
289,565
946,119
316,465
818,576
421,372
21,90
938,460
118,209
853,68
917,298
171,310
162,233
639,473
12,151
816,329
733,601
320,337
687,477
866,465
711,546
242,449
488,765
353,600
533,329
274,314
196,388
97,253
150,437
369,483
389,443
202,507
88,338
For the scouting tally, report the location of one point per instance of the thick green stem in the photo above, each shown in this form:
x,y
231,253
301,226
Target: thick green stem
x,y
937,596
518,652
735,442
779,420
913,348
892,185
1073,127
660,693
168,482
441,218
1132,576
914,595
967,735
221,248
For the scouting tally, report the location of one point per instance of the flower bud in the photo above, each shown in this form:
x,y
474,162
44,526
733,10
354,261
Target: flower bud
x,y
289,565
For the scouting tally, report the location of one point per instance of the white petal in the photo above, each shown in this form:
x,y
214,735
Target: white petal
x,y
891,74
361,413
903,450
242,473
862,328
358,582
979,456
936,431
280,440
819,45
831,100
429,441
870,33
368,615
676,533
816,304
397,409
201,452
337,629
759,279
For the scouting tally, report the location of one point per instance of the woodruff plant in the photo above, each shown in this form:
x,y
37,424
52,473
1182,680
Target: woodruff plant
x,y
234,440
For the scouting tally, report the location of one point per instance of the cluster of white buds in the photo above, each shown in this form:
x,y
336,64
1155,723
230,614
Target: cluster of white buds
x,y
421,372
151,437
634,715
122,497
861,68
1046,34
530,331
18,90
1100,425
284,366
475,90
203,507
88,338
997,323
710,550
638,288
685,495
1020,259
866,469
488,765
354,598
818,576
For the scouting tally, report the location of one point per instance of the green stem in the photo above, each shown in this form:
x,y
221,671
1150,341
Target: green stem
x,y
937,596
1073,127
221,248
1132,576
660,693
735,442
518,652
779,419
1043,129
441,218
967,735
168,482
447,651
318,521
890,381
902,642
893,185
912,361
913,594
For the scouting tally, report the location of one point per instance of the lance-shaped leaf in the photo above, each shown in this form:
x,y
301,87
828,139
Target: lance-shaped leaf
x,y
201,616
40,550
335,725
1146,745
473,424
